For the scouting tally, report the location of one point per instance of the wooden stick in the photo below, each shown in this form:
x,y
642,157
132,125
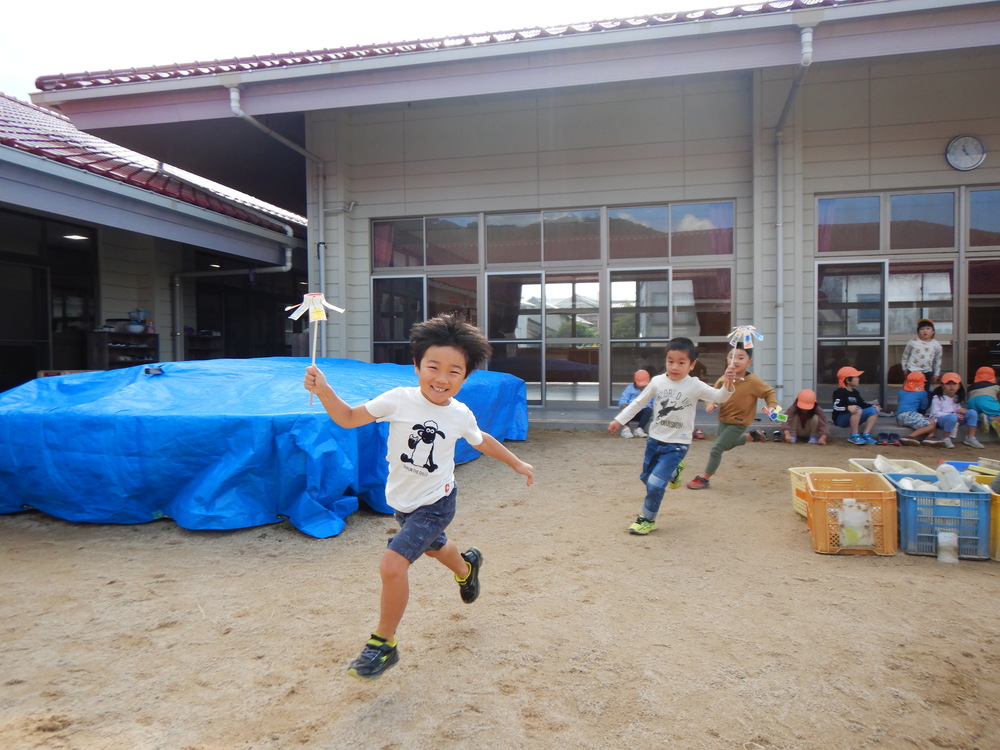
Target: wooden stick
x,y
315,332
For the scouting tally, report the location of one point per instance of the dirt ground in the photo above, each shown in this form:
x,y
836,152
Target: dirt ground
x,y
722,629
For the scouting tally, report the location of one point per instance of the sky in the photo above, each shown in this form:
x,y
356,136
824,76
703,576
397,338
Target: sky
x,y
73,36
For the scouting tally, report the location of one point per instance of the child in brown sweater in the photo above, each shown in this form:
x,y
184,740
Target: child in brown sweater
x,y
736,414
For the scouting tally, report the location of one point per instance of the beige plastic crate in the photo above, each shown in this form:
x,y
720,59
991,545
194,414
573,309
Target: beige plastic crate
x,y
800,495
906,466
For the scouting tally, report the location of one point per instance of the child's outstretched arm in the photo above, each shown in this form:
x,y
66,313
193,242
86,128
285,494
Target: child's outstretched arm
x,y
495,449
338,409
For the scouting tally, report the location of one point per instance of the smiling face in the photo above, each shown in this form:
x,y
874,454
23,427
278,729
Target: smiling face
x,y
441,373
679,364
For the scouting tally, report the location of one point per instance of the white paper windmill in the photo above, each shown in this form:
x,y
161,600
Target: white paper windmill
x,y
316,304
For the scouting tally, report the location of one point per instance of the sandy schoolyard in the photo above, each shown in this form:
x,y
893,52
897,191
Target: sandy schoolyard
x,y
722,629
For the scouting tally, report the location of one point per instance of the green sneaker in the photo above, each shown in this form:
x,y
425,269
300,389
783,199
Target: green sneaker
x,y
675,480
376,657
642,526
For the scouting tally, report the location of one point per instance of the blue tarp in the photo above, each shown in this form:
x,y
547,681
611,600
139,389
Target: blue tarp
x,y
220,444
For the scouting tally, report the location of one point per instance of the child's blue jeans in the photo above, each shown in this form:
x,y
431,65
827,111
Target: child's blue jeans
x,y
658,465
949,422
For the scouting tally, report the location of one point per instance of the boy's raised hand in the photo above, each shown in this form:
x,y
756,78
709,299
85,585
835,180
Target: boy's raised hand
x,y
314,379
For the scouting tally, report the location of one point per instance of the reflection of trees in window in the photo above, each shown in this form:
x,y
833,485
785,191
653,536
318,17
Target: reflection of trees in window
x,y
452,240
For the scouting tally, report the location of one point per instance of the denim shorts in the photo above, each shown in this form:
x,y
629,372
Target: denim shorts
x,y
423,529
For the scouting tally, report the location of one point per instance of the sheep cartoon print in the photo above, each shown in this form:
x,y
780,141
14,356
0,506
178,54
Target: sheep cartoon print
x,y
421,444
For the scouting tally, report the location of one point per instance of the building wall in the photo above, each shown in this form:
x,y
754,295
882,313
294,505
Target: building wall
x,y
680,140
135,272
864,125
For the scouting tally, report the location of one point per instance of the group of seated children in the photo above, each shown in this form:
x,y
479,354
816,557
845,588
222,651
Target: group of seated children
x,y
923,412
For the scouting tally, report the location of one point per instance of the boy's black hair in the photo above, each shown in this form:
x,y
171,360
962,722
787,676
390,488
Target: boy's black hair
x,y
682,344
450,329
739,345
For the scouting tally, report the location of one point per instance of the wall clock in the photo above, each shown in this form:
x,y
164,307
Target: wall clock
x,y
965,152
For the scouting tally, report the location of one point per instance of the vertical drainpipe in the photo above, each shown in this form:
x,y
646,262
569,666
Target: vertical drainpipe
x,y
805,39
235,105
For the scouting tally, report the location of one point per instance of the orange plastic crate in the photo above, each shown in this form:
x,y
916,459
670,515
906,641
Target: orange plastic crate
x,y
852,513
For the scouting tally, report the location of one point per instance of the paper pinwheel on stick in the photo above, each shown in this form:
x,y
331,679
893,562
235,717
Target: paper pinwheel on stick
x,y
746,334
315,303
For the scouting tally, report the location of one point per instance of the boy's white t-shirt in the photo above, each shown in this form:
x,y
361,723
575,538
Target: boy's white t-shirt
x,y
421,445
674,405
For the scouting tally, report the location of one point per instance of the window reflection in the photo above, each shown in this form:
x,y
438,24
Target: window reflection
x,y
848,225
452,240
921,220
572,235
398,244
850,300
639,232
984,218
701,229
514,238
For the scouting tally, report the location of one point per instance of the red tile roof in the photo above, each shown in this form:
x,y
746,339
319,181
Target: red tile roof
x,y
45,133
188,70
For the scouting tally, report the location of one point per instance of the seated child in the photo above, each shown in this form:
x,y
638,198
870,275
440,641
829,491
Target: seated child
x,y
983,398
948,412
913,402
806,420
639,381
849,408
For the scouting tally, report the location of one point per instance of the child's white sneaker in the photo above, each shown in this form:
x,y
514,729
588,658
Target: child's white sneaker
x,y
972,442
948,443
626,432
639,432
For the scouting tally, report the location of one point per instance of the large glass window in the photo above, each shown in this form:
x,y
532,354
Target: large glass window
x,y
514,328
984,218
398,304
915,291
398,243
571,235
850,300
984,316
452,294
452,240
701,229
849,225
639,232
514,238
921,220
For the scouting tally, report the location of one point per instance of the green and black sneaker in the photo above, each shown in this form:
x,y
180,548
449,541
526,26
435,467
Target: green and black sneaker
x,y
376,657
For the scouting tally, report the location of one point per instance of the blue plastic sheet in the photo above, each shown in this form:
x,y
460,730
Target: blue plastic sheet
x,y
221,444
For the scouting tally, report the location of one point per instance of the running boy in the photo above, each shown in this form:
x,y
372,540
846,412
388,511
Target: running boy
x,y
736,414
425,422
675,395
849,408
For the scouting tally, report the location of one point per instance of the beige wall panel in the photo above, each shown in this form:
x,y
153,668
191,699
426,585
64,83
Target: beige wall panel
x,y
443,138
835,105
376,144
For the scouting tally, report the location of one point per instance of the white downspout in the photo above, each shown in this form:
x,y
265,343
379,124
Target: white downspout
x,y
237,109
806,39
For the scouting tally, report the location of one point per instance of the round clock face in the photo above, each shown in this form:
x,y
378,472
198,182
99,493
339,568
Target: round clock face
x,y
965,152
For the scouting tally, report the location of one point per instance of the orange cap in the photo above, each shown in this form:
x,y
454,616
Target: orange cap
x,y
951,377
848,372
987,374
915,382
641,378
806,399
